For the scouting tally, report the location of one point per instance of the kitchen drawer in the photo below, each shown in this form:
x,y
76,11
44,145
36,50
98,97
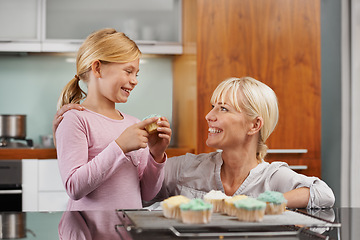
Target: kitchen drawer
x,y
49,176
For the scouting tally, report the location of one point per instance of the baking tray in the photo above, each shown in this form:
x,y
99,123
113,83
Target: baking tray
x,y
290,223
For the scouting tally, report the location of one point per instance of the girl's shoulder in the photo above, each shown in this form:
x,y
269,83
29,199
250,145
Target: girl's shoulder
x,y
74,113
88,115
129,118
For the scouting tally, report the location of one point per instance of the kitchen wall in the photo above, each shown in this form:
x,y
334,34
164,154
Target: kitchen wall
x,y
31,85
331,95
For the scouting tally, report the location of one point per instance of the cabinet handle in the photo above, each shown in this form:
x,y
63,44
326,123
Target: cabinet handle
x,y
10,192
287,151
5,41
298,167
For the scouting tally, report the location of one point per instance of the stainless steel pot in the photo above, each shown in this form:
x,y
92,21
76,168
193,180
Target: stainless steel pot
x,y
12,225
13,126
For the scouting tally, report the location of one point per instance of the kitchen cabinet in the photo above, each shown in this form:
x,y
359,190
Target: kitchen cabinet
x,y
42,186
61,26
20,28
277,42
52,195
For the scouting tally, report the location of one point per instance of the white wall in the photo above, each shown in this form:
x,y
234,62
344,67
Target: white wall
x,y
31,84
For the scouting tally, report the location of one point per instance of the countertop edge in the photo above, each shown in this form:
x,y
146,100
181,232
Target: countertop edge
x,y
50,153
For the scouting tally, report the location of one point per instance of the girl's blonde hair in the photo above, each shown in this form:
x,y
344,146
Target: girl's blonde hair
x,y
259,101
106,45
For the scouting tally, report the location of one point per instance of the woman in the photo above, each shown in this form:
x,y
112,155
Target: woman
x,y
107,160
244,114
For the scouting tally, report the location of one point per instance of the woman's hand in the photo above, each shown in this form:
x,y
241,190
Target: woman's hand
x,y
135,136
59,116
158,142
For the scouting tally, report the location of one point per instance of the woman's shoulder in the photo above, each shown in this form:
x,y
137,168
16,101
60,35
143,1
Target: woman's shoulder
x,y
190,160
271,167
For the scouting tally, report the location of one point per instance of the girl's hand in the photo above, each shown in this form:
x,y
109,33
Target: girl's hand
x,y
59,116
135,136
158,142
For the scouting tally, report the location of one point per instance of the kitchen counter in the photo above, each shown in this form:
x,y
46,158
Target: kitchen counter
x,y
44,225
50,153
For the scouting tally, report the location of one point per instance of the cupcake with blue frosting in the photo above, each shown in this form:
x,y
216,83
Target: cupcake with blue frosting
x,y
197,211
275,202
250,209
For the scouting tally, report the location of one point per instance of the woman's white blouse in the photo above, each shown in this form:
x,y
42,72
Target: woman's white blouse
x,y
195,175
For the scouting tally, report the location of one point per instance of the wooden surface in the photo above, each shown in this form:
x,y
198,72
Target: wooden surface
x,y
50,153
277,42
184,90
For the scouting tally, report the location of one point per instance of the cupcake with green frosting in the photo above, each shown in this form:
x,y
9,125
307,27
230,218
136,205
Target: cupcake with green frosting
x,y
229,207
275,202
196,211
250,209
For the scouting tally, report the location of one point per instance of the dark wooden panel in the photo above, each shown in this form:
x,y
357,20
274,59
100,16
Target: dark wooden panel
x,y
277,42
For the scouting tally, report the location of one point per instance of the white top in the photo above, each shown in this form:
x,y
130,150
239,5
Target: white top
x,y
195,175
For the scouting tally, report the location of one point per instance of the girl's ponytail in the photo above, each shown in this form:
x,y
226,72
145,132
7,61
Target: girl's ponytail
x,y
72,93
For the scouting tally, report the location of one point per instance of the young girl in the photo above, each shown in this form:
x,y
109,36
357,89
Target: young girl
x,y
106,158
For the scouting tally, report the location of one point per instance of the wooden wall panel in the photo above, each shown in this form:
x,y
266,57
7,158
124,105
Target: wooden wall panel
x,y
184,90
277,42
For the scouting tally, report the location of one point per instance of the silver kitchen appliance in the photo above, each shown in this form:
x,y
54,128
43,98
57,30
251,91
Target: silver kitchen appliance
x,y
12,225
13,132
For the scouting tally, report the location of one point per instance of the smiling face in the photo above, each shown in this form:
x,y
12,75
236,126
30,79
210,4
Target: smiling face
x,y
118,80
228,127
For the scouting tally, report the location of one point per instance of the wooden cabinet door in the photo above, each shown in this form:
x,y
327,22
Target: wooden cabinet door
x,y
278,43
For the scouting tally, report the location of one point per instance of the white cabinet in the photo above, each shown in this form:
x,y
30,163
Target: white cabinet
x,y
51,192
30,184
42,186
20,25
61,26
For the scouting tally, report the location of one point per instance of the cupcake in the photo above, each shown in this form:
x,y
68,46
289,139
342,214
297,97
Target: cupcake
x,y
250,209
216,198
171,206
229,207
196,211
152,127
275,202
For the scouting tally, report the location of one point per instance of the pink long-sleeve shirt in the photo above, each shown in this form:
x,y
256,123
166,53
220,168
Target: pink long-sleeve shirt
x,y
96,173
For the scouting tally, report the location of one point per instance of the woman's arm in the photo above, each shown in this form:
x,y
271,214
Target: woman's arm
x,y
298,198
316,191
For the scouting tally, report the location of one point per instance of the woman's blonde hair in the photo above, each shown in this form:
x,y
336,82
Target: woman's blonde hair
x,y
259,101
106,45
